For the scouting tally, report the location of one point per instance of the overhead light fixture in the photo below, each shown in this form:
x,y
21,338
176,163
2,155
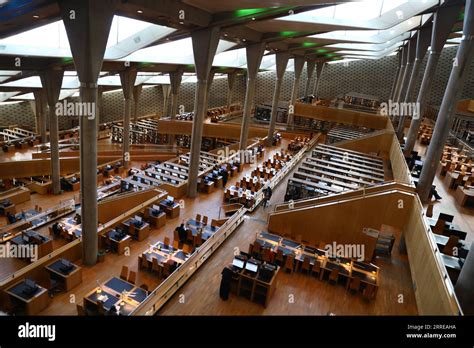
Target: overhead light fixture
x,y
139,11
36,16
253,18
225,34
244,40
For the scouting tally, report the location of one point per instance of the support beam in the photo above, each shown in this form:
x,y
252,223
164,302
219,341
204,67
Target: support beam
x,y
204,48
459,72
137,92
310,65
87,24
397,74
41,111
51,80
281,59
422,44
319,72
175,82
166,89
230,84
298,64
98,116
127,79
254,58
444,20
210,80
408,67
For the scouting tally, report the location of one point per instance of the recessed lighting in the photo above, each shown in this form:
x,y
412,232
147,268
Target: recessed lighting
x,y
244,40
225,34
36,16
253,18
139,11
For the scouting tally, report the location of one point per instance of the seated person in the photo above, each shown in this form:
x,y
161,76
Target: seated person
x,y
77,219
182,233
56,229
11,218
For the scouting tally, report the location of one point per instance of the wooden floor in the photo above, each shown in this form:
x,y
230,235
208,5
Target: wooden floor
x,y
296,294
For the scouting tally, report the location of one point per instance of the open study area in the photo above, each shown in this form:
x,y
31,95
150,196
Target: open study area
x,y
238,160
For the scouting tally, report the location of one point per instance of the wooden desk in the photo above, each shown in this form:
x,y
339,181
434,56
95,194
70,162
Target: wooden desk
x,y
70,278
156,221
44,244
34,302
139,233
464,196
120,245
172,211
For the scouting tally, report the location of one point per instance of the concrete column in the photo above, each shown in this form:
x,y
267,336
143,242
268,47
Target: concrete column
x,y
422,44
41,114
281,59
87,24
444,19
175,83
136,93
310,65
408,67
298,63
459,72
51,80
166,99
127,79
397,74
210,80
319,72
254,58
204,48
404,53
230,84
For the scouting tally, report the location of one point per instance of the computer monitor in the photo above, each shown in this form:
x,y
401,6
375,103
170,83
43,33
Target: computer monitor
x,y
446,217
156,207
30,283
238,263
249,266
170,199
66,264
138,218
26,238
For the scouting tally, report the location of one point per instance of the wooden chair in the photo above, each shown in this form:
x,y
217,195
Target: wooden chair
x,y
354,285
334,276
429,210
189,237
204,220
144,262
80,310
167,241
316,271
306,266
176,244
257,250
156,267
124,273
439,227
289,263
132,277
175,235
198,217
267,255
187,249
250,249
279,258
198,240
369,291
450,246
168,268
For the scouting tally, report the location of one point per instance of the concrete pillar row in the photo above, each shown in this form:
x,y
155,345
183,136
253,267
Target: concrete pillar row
x,y
447,110
319,72
310,65
205,43
230,84
87,24
404,53
51,80
136,93
127,79
443,21
411,53
298,64
175,83
397,75
281,59
254,58
422,44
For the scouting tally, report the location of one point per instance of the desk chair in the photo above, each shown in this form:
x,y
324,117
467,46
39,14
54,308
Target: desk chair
x,y
306,266
354,285
267,255
80,310
176,243
439,227
289,263
198,217
279,258
156,267
450,246
124,273
256,250
175,235
187,249
334,276
204,220
132,277
198,240
316,271
369,292
144,262
167,241
168,268
429,210
144,287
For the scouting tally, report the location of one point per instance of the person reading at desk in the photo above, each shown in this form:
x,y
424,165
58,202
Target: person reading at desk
x,y
11,218
56,229
182,233
77,219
